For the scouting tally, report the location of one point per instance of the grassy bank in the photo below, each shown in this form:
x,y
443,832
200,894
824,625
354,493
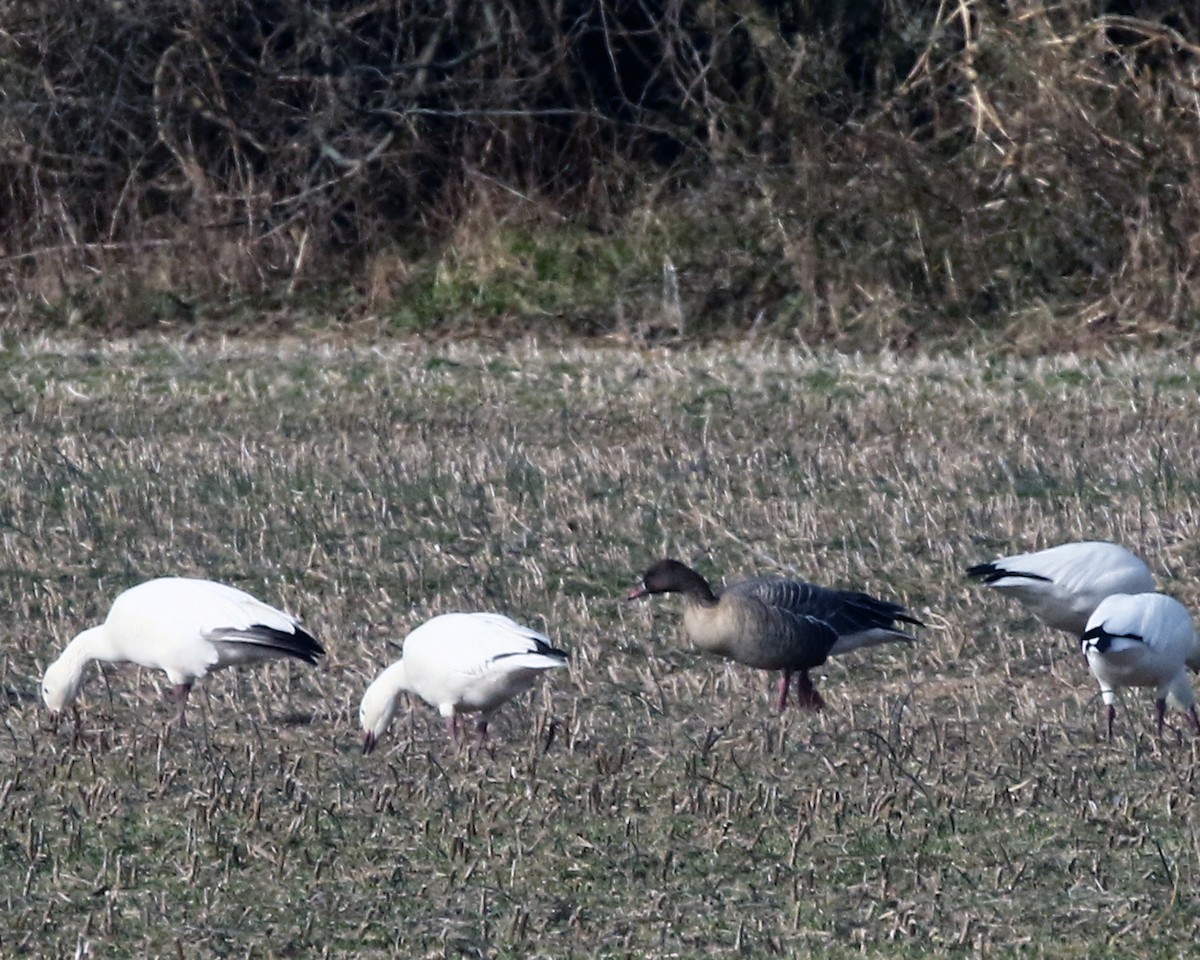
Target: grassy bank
x,y
847,174
956,798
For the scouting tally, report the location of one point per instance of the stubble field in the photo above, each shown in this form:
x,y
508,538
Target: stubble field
x,y
956,797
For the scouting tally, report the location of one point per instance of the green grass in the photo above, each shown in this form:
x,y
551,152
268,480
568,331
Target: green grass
x,y
955,798
557,276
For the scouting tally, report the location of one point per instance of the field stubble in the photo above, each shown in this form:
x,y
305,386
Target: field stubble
x,y
955,798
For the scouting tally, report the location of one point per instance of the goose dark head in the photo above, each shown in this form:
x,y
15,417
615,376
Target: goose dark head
x,y
671,576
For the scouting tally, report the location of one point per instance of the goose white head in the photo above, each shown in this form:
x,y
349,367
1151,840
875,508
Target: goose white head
x,y
379,704
64,677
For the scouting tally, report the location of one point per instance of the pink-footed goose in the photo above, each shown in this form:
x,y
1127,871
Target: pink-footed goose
x,y
777,624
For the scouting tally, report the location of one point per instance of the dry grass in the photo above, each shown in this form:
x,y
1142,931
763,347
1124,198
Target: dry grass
x,y
908,173
954,799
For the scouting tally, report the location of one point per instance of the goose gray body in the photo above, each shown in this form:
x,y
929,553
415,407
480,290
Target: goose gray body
x,y
857,619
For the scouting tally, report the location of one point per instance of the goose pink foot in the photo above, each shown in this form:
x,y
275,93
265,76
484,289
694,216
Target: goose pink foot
x,y
807,697
784,682
806,693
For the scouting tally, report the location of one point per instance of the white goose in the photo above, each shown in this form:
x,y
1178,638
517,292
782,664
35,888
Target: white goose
x,y
1062,585
185,627
1142,640
459,663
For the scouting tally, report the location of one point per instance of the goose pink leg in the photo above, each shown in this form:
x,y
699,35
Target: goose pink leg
x,y
181,691
806,693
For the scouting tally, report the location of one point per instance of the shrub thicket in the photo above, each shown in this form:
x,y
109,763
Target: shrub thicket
x,y
827,166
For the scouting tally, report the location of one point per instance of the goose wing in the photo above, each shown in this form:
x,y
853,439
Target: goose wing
x,y
794,612
487,639
844,611
232,616
1074,567
1151,622
475,660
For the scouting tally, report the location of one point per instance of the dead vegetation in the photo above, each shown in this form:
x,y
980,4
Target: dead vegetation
x,y
955,798
851,173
